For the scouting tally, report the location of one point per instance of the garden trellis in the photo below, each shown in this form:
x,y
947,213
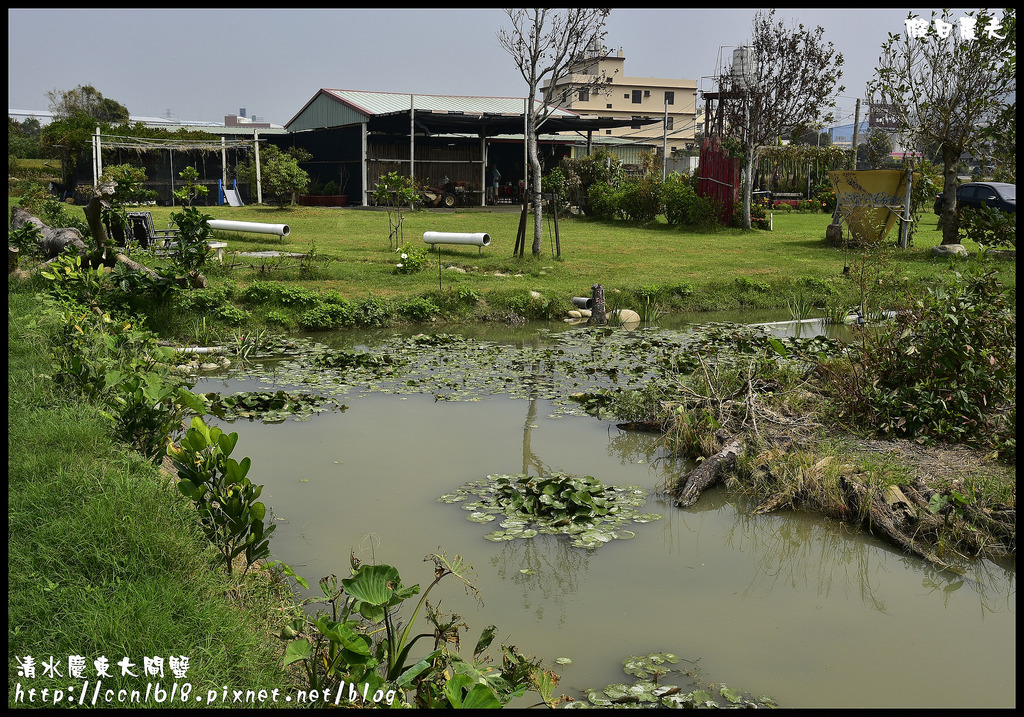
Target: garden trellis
x,y
102,142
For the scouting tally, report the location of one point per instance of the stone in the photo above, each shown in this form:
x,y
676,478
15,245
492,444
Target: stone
x,y
950,250
574,314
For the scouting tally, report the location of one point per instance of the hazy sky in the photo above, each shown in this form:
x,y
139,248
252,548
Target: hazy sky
x,y
200,64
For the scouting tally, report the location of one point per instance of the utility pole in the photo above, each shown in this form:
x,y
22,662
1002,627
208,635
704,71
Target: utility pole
x,y
856,130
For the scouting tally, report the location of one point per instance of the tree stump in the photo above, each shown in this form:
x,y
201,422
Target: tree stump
x,y
598,314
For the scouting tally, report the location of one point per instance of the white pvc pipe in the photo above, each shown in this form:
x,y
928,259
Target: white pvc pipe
x,y
252,227
479,239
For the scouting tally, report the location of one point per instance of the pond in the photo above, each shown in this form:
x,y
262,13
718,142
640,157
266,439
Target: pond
x,y
790,605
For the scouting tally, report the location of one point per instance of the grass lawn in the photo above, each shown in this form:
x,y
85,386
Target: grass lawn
x,y
614,254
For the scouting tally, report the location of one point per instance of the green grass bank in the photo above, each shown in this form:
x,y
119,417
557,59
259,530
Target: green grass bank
x,y
106,558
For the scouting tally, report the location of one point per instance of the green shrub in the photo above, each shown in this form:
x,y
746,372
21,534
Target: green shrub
x,y
231,314
262,292
941,371
989,227
418,309
229,510
602,201
684,207
372,311
411,261
326,316
639,200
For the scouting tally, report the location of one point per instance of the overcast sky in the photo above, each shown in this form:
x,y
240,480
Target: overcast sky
x,y
200,64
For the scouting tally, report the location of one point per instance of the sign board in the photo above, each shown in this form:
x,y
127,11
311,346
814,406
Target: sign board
x,y
883,116
870,201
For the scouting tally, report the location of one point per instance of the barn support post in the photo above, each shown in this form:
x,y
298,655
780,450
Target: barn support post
x,y
483,167
259,174
363,163
412,140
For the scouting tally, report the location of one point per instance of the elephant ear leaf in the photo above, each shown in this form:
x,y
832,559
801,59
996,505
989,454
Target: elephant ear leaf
x,y
481,697
486,637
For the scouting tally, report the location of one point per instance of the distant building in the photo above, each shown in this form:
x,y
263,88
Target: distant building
x,y
842,136
672,101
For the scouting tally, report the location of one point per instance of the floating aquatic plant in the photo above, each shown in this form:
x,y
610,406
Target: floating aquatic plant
x,y
557,504
650,689
266,406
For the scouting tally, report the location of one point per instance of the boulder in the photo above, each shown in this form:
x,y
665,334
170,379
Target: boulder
x,y
950,250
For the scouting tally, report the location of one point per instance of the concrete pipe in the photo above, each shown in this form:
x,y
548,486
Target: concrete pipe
x,y
227,225
480,239
583,302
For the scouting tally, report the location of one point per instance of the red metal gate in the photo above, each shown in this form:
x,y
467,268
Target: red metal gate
x,y
718,176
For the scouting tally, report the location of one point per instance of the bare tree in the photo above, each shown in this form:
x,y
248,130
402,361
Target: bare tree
x,y
546,45
789,78
950,83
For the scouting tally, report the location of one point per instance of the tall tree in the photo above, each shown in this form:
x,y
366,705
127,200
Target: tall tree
x,y
546,45
87,100
790,80
952,83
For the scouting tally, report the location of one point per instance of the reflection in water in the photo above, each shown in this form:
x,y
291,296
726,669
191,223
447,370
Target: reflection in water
x,y
546,569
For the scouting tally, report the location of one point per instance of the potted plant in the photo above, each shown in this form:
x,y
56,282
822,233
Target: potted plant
x,y
327,194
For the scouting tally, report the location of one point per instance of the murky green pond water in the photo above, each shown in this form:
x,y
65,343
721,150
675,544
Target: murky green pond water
x,y
788,605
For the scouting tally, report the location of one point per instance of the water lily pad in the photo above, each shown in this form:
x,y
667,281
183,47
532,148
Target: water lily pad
x,y
563,661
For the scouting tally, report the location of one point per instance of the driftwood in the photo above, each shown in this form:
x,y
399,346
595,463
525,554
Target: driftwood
x,y
710,471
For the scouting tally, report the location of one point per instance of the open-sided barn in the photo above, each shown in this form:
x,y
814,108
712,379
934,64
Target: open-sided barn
x,y
356,137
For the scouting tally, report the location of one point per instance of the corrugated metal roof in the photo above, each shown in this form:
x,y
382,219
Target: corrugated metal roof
x,y
379,103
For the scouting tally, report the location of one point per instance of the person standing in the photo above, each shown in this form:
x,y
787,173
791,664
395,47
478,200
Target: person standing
x,y
492,187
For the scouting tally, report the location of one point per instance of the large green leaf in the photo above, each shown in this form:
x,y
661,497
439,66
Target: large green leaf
x,y
373,584
297,650
342,634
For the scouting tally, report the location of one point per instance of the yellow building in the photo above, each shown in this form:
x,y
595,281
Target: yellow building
x,y
674,101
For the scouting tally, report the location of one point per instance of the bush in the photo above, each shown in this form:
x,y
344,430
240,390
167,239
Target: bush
x,y
943,369
639,200
684,207
602,201
989,227
324,317
411,261
419,309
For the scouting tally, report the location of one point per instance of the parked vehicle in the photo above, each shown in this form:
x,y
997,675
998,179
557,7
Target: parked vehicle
x,y
1000,195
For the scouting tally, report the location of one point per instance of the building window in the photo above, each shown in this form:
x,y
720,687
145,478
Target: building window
x,y
637,97
607,107
670,98
607,131
670,124
584,95
636,126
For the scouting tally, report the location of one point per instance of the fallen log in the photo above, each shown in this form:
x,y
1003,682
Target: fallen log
x,y
710,471
52,241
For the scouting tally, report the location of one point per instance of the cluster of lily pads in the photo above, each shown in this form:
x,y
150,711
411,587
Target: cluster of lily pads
x,y
554,366
558,504
266,406
650,690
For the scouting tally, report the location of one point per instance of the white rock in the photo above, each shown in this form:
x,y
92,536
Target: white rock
x,y
950,250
